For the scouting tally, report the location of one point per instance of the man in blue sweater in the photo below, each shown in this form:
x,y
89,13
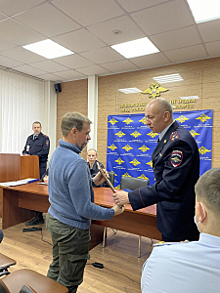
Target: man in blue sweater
x,y
72,206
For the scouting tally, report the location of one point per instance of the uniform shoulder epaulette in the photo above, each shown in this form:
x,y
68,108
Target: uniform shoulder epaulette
x,y
30,135
174,136
45,135
163,243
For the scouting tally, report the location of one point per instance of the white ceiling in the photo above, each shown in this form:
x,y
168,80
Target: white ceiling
x,y
86,27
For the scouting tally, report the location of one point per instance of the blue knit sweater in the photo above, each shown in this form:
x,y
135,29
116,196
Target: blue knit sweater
x,y
70,189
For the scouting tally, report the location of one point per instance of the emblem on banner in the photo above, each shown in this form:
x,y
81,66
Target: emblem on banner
x,y
193,133
203,118
126,175
182,119
119,161
203,150
112,147
135,134
135,162
143,177
128,121
127,148
150,164
154,90
113,121
176,158
151,134
143,120
120,134
144,148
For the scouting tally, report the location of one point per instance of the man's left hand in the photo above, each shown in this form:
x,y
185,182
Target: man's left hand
x,y
99,179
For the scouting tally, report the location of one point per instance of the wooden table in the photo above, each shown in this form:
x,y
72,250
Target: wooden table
x,y
20,200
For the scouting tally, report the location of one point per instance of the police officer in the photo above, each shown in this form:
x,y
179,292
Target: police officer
x,y
176,169
190,266
37,144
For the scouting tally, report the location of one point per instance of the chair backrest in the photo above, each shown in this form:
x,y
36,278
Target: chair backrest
x,y
3,287
112,177
133,183
5,263
36,281
27,289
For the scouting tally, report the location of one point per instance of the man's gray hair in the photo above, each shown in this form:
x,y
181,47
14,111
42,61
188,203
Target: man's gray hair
x,y
92,149
36,122
207,188
165,106
73,120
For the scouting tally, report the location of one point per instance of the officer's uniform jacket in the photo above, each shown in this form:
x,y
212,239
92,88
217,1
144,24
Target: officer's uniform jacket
x,y
176,168
39,146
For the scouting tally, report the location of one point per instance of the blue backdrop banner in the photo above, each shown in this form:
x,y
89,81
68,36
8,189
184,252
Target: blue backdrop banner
x,y
131,143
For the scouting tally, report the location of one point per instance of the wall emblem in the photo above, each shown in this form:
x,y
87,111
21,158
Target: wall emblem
x,y
154,90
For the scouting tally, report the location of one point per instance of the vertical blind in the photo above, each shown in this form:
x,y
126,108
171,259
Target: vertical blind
x,y
21,103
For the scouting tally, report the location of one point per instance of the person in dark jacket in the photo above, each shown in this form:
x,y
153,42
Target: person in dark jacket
x,y
176,169
37,144
93,167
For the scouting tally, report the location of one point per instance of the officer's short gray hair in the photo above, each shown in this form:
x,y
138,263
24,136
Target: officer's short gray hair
x,y
36,122
207,188
165,106
73,120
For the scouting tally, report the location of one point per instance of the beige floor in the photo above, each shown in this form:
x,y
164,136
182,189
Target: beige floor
x,y
122,268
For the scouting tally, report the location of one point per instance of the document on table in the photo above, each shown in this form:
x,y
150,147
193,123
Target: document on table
x,y
18,182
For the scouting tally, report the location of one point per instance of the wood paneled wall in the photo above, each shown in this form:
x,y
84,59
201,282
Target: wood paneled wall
x,y
200,78
74,97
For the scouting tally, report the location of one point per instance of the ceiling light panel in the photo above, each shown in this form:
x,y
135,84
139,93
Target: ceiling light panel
x,y
132,90
205,10
168,78
136,48
48,49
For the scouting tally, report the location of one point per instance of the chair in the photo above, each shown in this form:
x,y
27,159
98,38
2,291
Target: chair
x,y
112,177
134,183
24,289
5,263
33,281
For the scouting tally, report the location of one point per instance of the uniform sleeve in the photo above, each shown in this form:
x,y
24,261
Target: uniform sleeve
x,y
176,164
25,147
80,189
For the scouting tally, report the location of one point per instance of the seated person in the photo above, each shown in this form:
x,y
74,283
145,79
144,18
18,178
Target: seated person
x,y
190,266
92,163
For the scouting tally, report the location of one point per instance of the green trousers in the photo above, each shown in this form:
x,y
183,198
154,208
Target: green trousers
x,y
70,253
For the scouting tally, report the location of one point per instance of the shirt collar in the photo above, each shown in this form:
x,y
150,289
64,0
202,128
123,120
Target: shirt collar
x,y
165,130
